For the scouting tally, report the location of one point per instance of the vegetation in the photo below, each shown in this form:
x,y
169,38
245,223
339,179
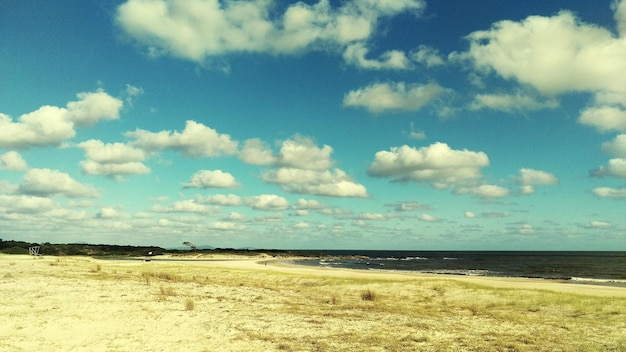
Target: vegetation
x,y
119,251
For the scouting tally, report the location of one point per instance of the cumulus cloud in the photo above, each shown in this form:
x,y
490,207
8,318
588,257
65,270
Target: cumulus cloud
x,y
615,168
616,147
112,159
436,163
49,183
409,206
599,225
469,214
394,96
267,202
222,199
604,118
110,213
553,54
256,152
427,218
25,204
226,225
51,125
484,191
12,161
530,178
427,56
308,204
556,55
511,102
198,29
196,140
607,192
331,183
211,179
393,59
371,216
300,166
186,206
298,152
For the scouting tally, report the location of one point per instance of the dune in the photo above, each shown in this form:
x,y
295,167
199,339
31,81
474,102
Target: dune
x,y
262,304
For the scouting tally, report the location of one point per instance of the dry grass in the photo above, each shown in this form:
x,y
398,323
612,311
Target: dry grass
x,y
287,312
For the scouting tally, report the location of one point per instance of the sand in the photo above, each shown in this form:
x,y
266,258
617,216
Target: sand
x,y
256,304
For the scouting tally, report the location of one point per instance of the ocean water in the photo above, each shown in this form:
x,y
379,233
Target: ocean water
x,y
607,268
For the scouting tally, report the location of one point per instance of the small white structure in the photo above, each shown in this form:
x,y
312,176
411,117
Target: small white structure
x,y
34,250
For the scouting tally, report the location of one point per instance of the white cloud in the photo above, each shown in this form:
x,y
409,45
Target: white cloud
x,y
298,152
198,29
620,16
607,192
300,166
393,59
615,168
12,161
557,55
371,216
604,118
302,153
234,216
25,204
112,159
511,102
186,206
301,225
196,140
110,213
437,162
51,125
600,225
469,214
226,225
494,214
410,206
427,218
267,202
529,178
49,183
93,107
211,179
116,170
256,152
394,96
110,153
616,147
308,204
332,183
525,229
131,93
553,54
222,199
484,191
427,56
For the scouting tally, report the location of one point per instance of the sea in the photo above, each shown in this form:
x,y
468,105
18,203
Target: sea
x,y
599,268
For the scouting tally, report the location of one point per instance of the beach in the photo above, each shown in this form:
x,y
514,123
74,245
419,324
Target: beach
x,y
238,303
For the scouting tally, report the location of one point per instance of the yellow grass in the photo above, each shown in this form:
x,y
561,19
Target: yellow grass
x,y
66,304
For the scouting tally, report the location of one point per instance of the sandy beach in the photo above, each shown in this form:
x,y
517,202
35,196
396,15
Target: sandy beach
x,y
224,303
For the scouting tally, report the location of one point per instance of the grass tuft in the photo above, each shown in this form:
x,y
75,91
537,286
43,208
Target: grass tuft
x,y
368,295
190,304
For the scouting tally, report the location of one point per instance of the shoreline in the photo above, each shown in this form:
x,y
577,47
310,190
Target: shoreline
x,y
288,265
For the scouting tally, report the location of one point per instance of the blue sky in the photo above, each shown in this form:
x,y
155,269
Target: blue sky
x,y
390,124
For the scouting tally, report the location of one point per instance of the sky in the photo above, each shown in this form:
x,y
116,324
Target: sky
x,y
354,124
